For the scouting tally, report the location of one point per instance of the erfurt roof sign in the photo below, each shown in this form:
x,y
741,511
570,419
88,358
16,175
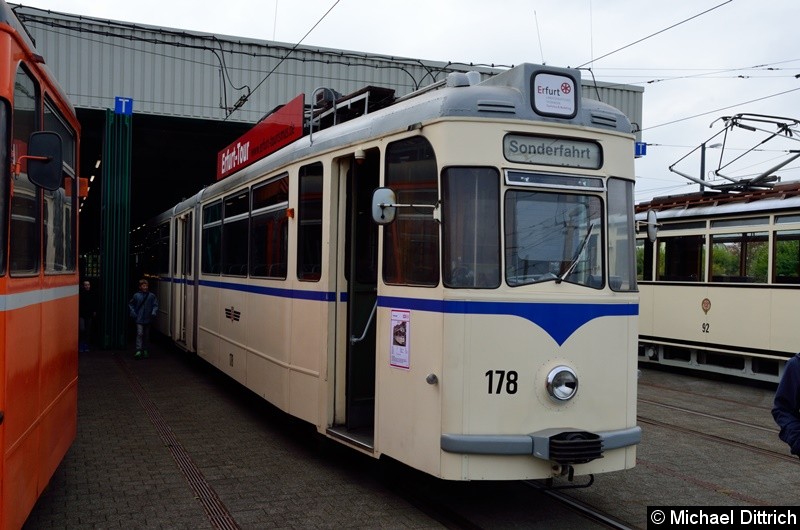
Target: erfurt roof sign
x,y
277,130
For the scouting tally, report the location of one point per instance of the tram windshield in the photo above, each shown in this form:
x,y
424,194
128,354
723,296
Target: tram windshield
x,y
553,236
558,234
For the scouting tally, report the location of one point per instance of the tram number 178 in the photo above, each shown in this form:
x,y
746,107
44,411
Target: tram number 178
x,y
500,380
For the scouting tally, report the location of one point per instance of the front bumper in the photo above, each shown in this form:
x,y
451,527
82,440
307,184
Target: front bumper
x,y
565,446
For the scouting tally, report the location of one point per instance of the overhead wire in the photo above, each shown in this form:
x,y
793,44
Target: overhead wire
x,y
699,75
594,59
244,99
684,69
721,109
591,70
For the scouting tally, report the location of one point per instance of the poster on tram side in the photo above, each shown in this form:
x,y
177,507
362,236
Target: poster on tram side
x,y
399,353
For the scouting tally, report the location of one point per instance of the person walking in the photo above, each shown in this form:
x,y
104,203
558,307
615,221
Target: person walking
x,y
87,311
786,409
143,307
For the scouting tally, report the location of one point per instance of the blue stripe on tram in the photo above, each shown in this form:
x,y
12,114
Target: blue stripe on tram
x,y
559,320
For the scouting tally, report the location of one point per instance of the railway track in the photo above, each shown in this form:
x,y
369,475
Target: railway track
x,y
494,505
706,415
587,511
720,439
708,433
702,395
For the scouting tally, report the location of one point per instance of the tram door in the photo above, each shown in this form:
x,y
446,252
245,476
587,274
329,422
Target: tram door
x,y
360,269
183,271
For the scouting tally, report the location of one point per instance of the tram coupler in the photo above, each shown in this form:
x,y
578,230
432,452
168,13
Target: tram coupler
x,y
569,472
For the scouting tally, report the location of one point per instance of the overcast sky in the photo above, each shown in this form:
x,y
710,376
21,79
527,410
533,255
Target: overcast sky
x,y
698,60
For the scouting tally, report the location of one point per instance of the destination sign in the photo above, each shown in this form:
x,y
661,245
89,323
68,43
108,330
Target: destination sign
x,y
550,151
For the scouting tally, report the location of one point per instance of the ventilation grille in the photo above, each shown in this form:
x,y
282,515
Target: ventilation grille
x,y
604,120
505,107
575,447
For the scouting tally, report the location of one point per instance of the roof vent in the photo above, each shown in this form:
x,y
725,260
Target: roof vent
x,y
496,106
605,120
457,79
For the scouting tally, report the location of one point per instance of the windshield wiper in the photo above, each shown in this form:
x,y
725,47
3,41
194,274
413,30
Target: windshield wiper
x,y
577,255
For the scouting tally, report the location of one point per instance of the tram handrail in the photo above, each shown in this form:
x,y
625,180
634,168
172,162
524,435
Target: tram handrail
x,y
353,339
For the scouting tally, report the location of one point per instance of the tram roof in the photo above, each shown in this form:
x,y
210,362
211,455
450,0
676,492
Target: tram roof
x,y
782,196
504,96
9,17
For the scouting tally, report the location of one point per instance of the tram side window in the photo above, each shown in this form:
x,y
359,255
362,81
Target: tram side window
x,y
621,260
25,217
5,124
60,206
644,260
739,257
184,228
471,222
269,229
309,221
58,229
411,242
787,256
211,260
235,224
681,259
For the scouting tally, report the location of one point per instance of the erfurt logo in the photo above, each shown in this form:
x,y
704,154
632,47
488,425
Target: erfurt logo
x,y
232,315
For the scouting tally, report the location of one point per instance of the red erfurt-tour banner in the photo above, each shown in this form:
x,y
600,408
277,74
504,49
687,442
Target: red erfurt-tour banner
x,y
277,130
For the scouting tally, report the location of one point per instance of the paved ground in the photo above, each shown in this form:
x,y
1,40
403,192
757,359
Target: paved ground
x,y
169,443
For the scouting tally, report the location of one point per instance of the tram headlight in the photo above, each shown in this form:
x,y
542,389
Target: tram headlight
x,y
562,383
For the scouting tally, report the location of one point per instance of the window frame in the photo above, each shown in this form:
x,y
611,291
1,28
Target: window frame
x,y
211,251
468,240
412,242
310,216
273,210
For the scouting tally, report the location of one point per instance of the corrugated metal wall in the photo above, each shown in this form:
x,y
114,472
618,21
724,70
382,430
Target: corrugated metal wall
x,y
627,98
173,72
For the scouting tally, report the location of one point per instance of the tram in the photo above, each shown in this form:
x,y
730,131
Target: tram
x,y
39,138
719,286
447,278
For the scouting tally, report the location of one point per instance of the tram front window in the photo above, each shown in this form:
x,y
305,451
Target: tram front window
x,y
553,237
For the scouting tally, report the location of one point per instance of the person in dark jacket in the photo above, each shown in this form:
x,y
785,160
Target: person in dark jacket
x,y
143,307
87,311
786,409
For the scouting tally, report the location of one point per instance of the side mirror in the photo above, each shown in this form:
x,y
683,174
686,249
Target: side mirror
x,y
45,162
652,225
383,206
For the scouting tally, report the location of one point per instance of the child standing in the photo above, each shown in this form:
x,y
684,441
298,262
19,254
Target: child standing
x,y
143,308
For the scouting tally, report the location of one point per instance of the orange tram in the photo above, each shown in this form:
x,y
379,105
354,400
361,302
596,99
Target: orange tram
x,y
39,146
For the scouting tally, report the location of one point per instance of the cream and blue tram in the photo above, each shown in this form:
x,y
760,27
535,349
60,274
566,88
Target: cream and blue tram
x,y
449,281
719,284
